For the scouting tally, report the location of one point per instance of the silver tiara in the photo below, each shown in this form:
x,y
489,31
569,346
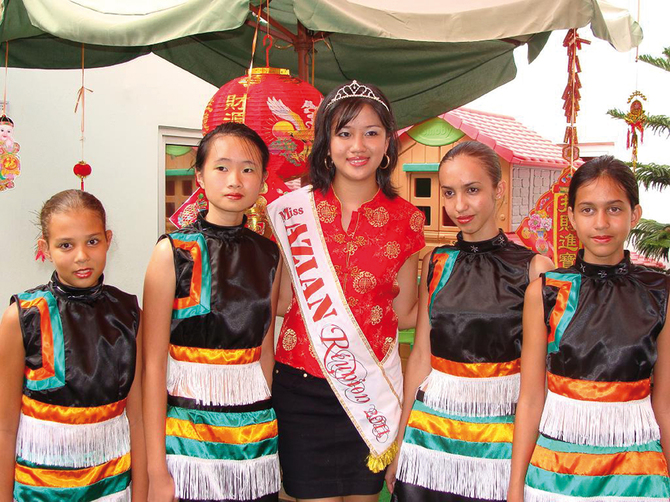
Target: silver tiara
x,y
356,90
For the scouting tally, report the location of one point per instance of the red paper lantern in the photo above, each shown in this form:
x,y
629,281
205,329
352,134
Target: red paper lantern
x,y
81,169
278,107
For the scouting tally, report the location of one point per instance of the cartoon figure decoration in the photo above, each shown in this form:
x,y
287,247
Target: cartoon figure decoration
x,y
188,211
547,230
636,120
10,164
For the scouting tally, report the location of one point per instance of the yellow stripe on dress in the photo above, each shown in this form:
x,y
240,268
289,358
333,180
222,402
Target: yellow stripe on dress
x,y
464,431
213,434
215,356
70,478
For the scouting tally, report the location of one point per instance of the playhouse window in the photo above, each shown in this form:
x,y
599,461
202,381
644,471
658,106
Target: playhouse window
x,y
422,187
426,212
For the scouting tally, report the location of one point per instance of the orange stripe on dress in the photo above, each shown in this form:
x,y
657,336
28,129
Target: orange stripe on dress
x,y
214,434
630,463
215,356
437,273
47,369
196,279
475,370
70,478
562,297
609,392
70,414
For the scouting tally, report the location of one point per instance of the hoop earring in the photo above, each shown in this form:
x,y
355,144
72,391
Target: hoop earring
x,y
387,163
328,162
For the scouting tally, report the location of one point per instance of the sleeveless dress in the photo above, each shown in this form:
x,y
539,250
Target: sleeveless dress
x,y
599,439
221,429
458,440
73,441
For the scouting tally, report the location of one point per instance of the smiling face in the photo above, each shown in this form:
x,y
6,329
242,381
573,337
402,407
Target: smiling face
x,y
77,245
232,177
6,131
470,197
357,149
603,218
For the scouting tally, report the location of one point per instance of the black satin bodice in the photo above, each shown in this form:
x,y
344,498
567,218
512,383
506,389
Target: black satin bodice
x,y
476,317
99,329
243,266
620,312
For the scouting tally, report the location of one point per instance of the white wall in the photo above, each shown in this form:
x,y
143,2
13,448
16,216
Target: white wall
x,y
123,113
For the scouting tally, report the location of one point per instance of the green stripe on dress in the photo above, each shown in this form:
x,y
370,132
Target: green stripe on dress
x,y
573,485
563,447
219,451
205,278
103,488
446,272
442,444
218,419
504,419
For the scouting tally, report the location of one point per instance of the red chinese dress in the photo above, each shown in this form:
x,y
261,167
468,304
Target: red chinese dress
x,y
367,256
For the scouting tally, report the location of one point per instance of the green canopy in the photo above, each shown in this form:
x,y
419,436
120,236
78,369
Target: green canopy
x,y
440,57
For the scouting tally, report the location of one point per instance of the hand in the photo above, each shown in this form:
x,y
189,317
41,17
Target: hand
x,y
161,488
391,470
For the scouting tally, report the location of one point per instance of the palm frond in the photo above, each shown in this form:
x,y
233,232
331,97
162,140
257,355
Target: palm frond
x,y
616,113
655,176
658,124
651,239
663,63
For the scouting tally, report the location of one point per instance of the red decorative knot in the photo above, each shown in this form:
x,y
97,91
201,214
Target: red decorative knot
x,y
81,169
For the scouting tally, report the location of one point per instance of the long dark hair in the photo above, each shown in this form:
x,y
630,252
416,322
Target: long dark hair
x,y
331,119
605,165
237,130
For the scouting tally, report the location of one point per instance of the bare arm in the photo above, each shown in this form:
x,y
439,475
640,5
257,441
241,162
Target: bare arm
x,y
137,446
532,395
405,304
539,265
660,398
12,355
268,348
285,290
159,291
418,366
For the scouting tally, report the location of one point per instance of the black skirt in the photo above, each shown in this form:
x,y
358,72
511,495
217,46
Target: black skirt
x,y
320,451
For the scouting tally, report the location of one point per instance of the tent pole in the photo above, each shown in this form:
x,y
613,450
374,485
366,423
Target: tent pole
x,y
302,45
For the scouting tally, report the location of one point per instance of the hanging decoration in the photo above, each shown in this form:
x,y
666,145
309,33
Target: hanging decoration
x,y
636,119
280,108
547,230
188,211
82,169
10,164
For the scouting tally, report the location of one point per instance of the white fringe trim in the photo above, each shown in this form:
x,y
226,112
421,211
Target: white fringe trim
x,y
217,384
124,496
481,478
535,495
67,445
597,423
476,397
197,478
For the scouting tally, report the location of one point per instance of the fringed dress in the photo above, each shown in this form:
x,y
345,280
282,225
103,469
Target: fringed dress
x,y
599,439
458,441
221,429
73,441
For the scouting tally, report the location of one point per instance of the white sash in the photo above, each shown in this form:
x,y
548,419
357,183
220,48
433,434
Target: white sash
x,y
369,391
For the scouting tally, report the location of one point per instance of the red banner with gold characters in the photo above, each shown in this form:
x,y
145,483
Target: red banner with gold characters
x,y
547,230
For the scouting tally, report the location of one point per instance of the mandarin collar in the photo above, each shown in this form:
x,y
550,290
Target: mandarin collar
x,y
603,271
376,200
72,293
493,244
219,230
